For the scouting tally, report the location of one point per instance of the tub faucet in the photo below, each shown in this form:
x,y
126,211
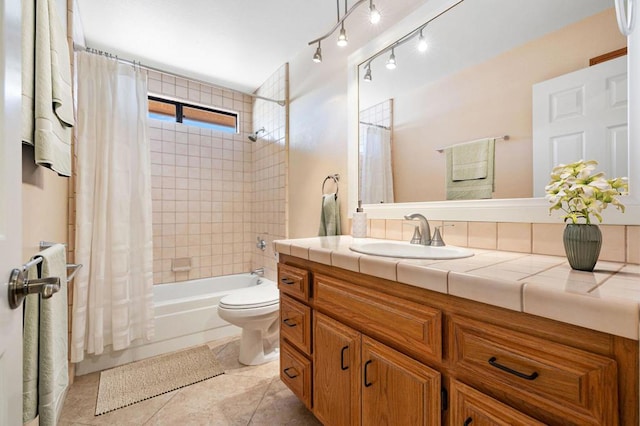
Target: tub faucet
x,y
258,271
425,229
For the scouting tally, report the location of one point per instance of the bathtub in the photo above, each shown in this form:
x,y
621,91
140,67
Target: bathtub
x,y
186,315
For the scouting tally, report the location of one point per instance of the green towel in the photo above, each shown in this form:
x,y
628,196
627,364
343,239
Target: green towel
x,y
329,216
470,160
471,189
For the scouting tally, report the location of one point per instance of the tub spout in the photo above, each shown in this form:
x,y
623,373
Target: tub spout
x,y
258,271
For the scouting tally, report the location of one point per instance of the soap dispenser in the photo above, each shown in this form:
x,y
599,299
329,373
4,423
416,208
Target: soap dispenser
x,y
359,222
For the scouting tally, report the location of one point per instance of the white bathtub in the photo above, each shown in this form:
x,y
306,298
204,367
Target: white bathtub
x,y
186,314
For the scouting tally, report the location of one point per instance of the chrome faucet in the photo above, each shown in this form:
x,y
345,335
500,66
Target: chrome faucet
x,y
425,229
258,271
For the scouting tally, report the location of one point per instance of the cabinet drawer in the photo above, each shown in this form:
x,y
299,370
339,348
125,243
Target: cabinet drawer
x,y
293,281
295,323
559,383
295,372
473,408
409,326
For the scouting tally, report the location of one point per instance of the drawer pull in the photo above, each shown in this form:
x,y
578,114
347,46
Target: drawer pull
x,y
493,362
367,383
287,281
342,366
289,323
468,421
286,371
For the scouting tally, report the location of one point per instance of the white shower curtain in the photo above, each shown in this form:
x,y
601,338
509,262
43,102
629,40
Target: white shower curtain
x,y
376,175
112,295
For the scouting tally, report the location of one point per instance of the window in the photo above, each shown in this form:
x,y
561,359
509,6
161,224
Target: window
x,y
192,115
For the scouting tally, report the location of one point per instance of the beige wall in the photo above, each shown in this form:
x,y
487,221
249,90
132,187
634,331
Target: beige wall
x,y
490,99
44,205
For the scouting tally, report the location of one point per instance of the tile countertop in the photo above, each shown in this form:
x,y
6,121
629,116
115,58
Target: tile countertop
x,y
606,300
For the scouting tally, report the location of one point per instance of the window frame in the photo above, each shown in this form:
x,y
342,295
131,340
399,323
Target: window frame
x,y
179,112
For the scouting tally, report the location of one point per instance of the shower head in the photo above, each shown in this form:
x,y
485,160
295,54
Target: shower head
x,y
254,136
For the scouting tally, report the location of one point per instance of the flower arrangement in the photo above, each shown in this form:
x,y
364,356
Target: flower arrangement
x,y
580,193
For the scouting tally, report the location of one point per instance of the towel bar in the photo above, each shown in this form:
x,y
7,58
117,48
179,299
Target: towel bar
x,y
37,260
504,138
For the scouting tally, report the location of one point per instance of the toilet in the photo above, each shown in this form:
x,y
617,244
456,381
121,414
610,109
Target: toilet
x,y
256,310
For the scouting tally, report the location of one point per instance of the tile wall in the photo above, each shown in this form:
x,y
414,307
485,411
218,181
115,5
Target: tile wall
x,y
620,243
214,193
202,187
270,169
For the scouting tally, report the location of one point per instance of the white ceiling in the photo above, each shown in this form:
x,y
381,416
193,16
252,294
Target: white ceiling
x,y
233,43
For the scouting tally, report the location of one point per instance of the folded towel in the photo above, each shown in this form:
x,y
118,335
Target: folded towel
x,y
329,216
47,96
46,342
470,160
471,189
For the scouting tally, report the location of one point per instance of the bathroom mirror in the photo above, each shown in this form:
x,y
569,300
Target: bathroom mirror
x,y
475,41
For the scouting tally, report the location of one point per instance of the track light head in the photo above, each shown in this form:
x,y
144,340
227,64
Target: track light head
x,y
391,62
317,57
422,43
374,15
342,38
367,74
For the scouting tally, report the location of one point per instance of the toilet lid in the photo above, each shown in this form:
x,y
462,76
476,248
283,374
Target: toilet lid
x,y
252,297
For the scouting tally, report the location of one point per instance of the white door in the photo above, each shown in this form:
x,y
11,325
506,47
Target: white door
x,y
581,115
10,211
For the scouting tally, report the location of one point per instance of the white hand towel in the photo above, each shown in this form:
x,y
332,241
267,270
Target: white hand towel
x,y
46,343
47,114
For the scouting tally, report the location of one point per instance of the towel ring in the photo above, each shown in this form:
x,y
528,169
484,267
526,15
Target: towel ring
x,y
335,178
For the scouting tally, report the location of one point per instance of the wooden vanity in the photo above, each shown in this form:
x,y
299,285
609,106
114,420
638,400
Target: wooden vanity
x,y
361,350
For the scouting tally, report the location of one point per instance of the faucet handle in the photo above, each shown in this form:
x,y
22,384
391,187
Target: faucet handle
x,y
417,236
437,237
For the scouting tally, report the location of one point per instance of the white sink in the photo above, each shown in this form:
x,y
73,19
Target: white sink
x,y
410,251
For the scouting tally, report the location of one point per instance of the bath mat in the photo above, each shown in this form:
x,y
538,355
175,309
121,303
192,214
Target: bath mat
x,y
131,383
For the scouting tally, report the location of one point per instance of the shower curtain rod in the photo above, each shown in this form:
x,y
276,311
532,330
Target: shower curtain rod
x,y
87,49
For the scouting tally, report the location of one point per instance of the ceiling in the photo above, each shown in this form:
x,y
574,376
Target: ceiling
x,y
232,43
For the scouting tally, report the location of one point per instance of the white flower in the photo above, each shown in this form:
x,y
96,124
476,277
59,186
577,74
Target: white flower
x,y
579,193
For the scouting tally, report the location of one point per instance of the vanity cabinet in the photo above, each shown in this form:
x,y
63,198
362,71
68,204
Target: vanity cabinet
x,y
382,352
358,380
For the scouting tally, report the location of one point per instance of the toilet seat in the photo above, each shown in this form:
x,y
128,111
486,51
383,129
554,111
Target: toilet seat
x,y
250,298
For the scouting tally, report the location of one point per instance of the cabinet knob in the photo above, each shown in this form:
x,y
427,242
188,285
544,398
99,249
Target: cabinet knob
x,y
342,366
468,421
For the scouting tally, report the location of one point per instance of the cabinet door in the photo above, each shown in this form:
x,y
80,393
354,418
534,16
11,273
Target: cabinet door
x,y
336,373
470,407
397,390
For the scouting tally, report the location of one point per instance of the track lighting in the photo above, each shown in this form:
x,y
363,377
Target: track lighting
x,y
317,57
374,15
391,62
367,74
422,43
342,38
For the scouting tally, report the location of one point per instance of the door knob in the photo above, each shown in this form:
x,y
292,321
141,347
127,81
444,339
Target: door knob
x,y
20,287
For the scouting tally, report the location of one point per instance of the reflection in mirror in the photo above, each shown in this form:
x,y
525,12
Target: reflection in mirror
x,y
376,176
476,82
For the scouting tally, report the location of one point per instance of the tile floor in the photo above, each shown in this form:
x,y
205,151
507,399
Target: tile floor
x,y
242,396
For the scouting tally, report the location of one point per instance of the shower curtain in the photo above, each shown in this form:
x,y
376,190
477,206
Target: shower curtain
x,y
112,294
376,175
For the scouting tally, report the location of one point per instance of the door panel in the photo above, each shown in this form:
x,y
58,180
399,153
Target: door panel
x,y
581,115
10,212
397,390
336,373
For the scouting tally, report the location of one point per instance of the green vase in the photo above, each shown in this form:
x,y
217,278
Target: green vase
x,y
582,244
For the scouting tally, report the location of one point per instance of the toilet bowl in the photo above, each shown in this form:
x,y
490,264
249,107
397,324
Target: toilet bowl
x,y
256,310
